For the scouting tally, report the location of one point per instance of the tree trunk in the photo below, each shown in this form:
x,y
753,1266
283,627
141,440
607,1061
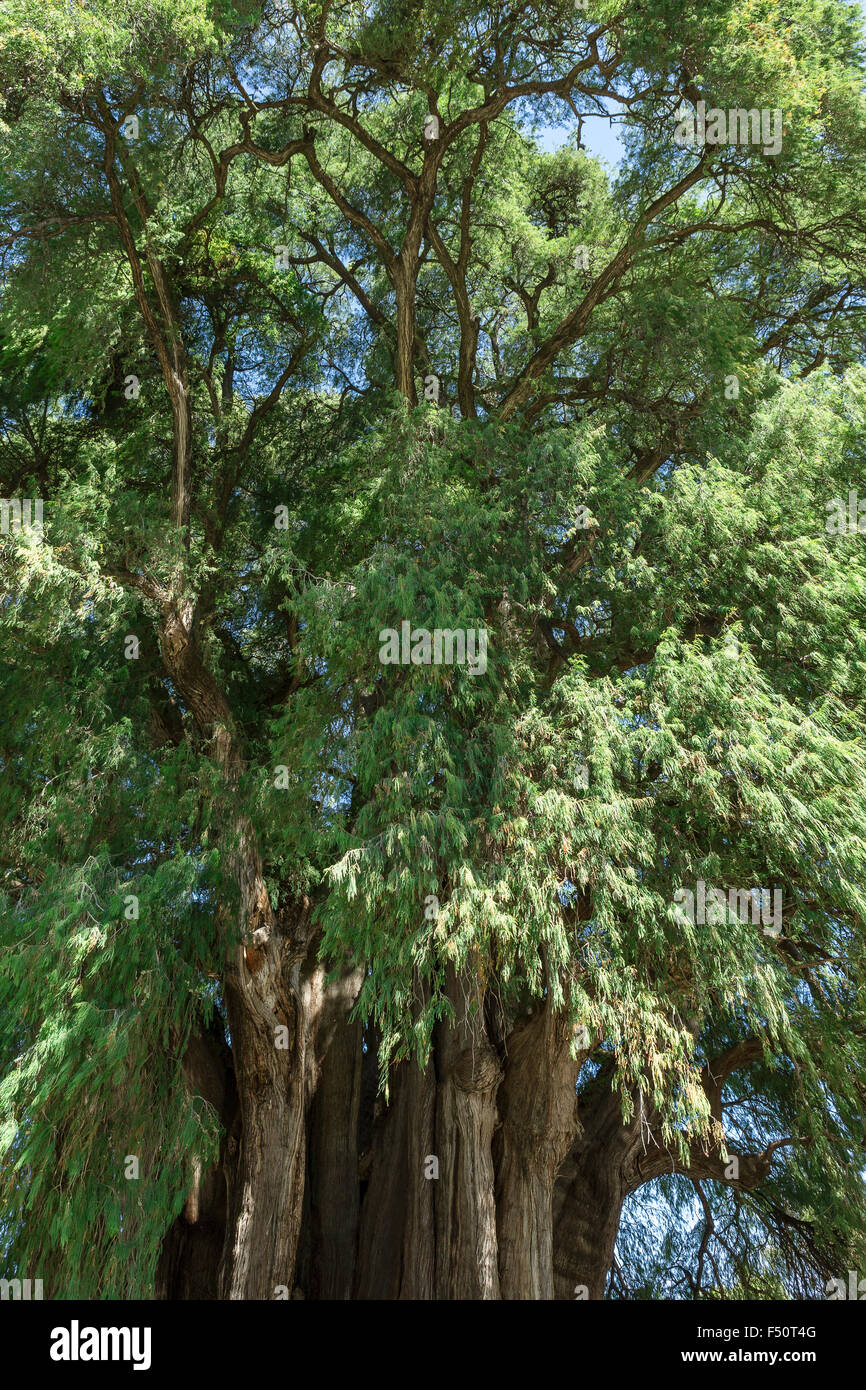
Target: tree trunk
x,y
266,1016
468,1079
590,1191
396,1255
537,1104
611,1159
263,995
404,364
334,1095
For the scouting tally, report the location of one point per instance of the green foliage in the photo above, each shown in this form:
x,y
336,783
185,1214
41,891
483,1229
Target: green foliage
x,y
663,603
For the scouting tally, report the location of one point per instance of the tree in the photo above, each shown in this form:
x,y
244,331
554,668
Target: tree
x,y
327,965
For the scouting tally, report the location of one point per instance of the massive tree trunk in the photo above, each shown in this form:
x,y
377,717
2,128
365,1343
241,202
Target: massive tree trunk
x,y
590,1191
268,1032
480,1177
468,1075
264,1004
435,1194
537,1104
396,1254
428,1227
333,1096
610,1159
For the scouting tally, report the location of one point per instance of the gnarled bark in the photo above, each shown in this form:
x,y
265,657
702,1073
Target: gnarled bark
x,y
468,1075
334,1095
428,1223
263,994
590,1191
611,1159
537,1104
396,1249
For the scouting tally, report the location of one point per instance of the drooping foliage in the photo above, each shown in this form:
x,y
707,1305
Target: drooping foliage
x,y
291,374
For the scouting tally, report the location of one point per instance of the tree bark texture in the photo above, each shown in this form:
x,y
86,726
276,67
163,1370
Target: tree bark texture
x,y
479,1177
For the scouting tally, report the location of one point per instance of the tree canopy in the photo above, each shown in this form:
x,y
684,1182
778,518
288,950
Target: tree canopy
x,y
309,330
